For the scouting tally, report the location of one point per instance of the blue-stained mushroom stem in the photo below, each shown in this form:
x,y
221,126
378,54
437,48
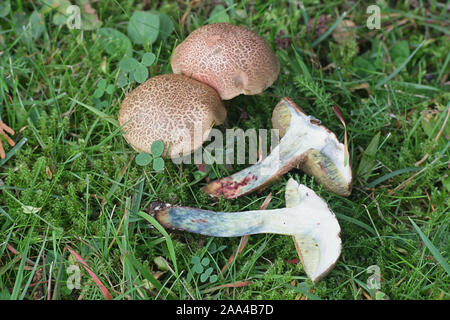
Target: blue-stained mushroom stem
x,y
308,219
305,144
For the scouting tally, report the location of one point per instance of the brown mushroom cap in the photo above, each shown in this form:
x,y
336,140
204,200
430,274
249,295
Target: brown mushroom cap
x,y
231,59
173,108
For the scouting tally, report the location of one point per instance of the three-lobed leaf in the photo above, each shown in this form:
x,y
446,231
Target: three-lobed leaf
x,y
101,86
206,274
143,159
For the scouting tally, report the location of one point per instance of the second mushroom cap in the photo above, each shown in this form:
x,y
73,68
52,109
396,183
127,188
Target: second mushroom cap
x,y
231,59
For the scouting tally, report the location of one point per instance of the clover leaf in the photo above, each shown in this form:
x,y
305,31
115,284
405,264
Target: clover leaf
x,y
144,159
136,70
101,86
148,58
199,266
143,27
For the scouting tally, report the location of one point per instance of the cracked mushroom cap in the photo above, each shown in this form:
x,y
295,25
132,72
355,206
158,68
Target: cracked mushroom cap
x,y
173,108
229,58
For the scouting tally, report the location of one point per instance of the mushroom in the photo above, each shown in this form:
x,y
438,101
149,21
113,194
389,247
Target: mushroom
x,y
314,227
229,58
304,143
3,128
173,108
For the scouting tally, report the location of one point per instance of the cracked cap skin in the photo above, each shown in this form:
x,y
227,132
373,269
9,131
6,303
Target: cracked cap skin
x,y
173,108
231,59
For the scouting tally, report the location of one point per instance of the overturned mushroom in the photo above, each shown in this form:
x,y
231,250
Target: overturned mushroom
x,y
231,59
173,108
3,128
305,144
307,218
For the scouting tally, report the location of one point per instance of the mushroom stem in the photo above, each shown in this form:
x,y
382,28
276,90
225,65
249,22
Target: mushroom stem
x,y
305,143
313,225
3,128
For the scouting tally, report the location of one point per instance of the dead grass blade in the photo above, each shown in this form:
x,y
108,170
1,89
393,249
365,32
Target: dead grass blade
x,y
94,277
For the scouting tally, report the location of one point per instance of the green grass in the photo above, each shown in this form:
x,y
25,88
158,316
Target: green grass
x,y
73,181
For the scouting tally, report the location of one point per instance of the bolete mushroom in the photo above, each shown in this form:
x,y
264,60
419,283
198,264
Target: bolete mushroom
x,y
173,108
231,59
307,218
305,144
3,128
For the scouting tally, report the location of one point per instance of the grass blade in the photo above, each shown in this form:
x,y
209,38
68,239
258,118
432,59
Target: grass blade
x,y
150,278
333,26
391,175
329,31
19,277
367,163
396,71
13,151
303,290
434,251
3,212
94,277
33,272
99,113
357,222
163,231
443,68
